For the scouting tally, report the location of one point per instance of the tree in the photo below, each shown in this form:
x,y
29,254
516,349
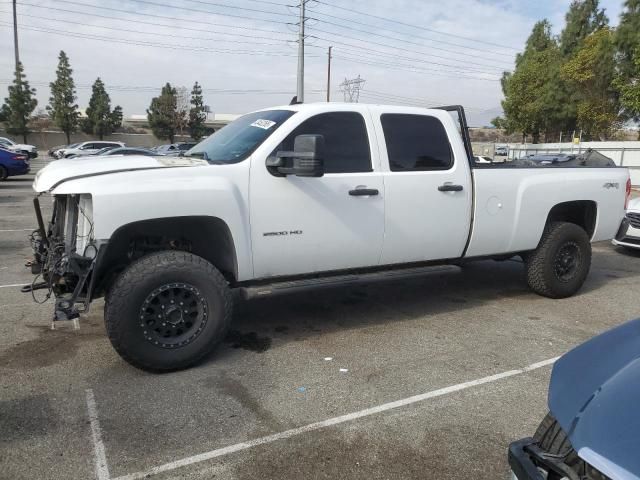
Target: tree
x,y
583,18
628,38
592,71
116,118
62,107
182,109
628,85
162,114
197,114
19,105
529,106
100,118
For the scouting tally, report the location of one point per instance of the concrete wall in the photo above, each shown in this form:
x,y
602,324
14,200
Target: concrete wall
x,y
46,140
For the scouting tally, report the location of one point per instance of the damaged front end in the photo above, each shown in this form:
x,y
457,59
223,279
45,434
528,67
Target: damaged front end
x,y
65,254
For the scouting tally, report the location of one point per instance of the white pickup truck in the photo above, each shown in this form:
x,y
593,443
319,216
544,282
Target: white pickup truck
x,y
302,196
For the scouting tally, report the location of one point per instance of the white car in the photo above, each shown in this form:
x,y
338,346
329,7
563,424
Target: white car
x,y
9,144
86,148
629,233
299,197
482,159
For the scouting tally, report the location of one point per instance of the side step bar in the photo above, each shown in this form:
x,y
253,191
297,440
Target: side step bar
x,y
285,287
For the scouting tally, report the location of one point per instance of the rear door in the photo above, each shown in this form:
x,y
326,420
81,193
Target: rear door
x,y
427,184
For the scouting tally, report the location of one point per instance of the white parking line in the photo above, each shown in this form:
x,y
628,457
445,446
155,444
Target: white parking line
x,y
332,421
18,230
102,469
15,285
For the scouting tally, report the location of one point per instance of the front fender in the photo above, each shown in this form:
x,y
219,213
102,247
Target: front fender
x,y
210,191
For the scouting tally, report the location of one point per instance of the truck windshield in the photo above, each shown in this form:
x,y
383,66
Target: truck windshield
x,y
236,141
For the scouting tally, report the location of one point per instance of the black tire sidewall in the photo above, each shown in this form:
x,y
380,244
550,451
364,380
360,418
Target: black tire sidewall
x,y
4,173
563,234
131,342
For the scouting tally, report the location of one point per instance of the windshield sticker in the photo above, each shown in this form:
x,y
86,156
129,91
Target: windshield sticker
x,y
264,124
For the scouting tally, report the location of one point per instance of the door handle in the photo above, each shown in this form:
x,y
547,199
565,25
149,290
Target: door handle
x,y
363,192
448,187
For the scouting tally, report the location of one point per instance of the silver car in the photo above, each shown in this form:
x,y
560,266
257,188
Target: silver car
x,y
629,233
87,148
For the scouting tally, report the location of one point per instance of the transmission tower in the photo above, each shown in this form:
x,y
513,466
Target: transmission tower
x,y
351,89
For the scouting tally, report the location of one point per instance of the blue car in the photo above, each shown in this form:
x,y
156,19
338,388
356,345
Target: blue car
x,y
592,431
12,164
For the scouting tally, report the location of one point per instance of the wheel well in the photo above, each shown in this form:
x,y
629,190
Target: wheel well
x,y
580,212
207,237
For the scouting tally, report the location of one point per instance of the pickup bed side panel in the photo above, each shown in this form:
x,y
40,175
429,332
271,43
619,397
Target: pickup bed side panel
x,y
512,204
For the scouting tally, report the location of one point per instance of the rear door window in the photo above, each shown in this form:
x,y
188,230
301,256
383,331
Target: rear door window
x,y
416,143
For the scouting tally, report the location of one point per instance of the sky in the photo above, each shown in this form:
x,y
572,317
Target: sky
x,y
244,52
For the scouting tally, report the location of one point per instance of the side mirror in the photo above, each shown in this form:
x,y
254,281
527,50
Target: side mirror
x,y
306,159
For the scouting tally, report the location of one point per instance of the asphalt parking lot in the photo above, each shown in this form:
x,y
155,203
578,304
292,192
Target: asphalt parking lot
x,y
417,379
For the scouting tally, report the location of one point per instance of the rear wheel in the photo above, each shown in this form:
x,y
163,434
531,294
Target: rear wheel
x,y
3,173
551,438
167,311
560,264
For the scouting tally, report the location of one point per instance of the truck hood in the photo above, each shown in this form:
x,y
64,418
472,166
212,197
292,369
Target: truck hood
x,y
62,170
595,396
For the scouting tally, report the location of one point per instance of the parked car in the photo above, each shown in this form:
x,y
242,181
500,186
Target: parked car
x,y
629,234
13,163
502,151
482,159
87,147
175,149
30,150
299,197
91,153
165,149
54,152
132,151
591,431
120,151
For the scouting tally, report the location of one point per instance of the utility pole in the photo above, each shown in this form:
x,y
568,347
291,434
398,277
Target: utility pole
x,y
329,75
15,34
300,89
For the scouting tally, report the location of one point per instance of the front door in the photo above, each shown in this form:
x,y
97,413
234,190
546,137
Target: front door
x,y
303,225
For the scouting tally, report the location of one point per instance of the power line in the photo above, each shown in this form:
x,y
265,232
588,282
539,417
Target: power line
x,y
160,34
351,28
97,15
415,26
395,56
153,44
452,67
213,4
402,49
279,22
411,68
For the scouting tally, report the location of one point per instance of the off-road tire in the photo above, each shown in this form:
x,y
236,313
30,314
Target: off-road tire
x,y
143,277
551,438
540,264
3,173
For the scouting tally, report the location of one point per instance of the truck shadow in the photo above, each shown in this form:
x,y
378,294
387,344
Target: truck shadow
x,y
259,323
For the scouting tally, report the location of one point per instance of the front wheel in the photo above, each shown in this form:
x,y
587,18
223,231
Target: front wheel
x,y
560,264
167,311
